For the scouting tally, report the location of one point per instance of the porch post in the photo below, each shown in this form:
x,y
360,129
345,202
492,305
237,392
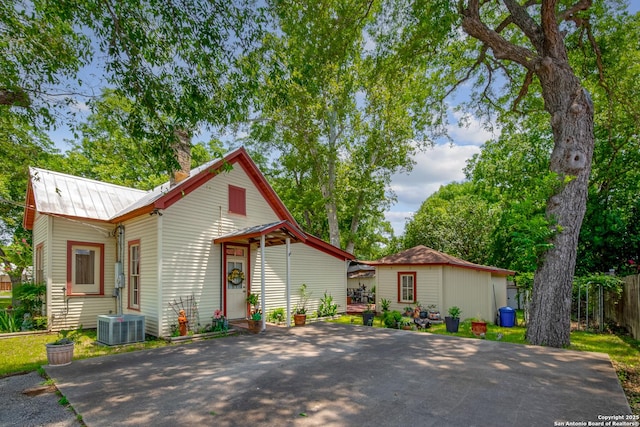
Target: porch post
x,y
288,288
262,284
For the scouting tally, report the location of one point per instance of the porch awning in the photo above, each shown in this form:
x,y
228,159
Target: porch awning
x,y
275,233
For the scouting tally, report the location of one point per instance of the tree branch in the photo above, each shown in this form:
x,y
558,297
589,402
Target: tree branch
x,y
502,48
553,43
523,89
17,98
569,14
520,17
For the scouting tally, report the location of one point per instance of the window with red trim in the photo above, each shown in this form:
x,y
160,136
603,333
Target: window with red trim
x,y
134,274
407,287
237,200
85,268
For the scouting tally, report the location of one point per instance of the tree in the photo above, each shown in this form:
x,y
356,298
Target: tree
x,y
107,151
340,122
525,45
454,220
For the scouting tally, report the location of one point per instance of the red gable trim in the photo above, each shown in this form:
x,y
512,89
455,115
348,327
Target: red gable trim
x,y
29,208
327,248
241,157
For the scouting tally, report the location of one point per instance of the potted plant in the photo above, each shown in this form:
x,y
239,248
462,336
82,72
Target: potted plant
x,y
432,312
255,321
60,352
367,316
405,323
253,300
300,311
478,326
452,321
385,304
218,322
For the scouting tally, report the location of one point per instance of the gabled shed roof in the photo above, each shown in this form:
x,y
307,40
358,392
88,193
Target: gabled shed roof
x,y
422,255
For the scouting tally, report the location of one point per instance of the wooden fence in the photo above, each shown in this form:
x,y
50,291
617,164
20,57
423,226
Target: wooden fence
x,y
626,310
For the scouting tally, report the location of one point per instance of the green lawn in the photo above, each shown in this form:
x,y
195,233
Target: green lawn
x,y
5,299
28,352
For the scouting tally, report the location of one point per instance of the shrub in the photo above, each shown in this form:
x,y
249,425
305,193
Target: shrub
x,y
391,319
8,321
327,306
276,315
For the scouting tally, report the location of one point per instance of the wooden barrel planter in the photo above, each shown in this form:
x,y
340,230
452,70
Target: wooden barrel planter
x,y
59,354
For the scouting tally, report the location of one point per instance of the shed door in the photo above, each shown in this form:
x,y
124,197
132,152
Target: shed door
x,y
236,282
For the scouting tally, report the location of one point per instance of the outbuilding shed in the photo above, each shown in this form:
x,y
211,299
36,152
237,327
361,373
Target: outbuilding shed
x,y
427,276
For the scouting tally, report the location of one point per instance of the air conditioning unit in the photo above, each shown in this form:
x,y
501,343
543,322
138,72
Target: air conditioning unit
x,y
116,329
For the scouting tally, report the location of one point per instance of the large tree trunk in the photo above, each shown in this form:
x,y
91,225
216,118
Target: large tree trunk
x,y
571,112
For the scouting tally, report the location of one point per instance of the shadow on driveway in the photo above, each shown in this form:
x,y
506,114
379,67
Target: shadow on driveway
x,y
343,375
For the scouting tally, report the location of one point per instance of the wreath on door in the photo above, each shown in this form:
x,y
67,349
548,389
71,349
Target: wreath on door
x,y
236,276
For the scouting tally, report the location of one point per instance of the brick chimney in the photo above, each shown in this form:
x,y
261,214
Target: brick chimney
x,y
182,151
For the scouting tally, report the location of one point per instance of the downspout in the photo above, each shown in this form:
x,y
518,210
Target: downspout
x,y
119,285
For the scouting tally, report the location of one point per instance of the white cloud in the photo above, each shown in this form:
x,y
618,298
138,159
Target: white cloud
x,y
440,165
468,130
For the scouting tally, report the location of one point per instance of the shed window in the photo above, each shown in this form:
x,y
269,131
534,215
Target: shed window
x,y
237,200
407,287
134,275
85,268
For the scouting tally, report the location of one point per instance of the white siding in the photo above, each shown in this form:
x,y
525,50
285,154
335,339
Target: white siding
x,y
190,262
319,271
144,229
71,311
446,286
471,291
179,259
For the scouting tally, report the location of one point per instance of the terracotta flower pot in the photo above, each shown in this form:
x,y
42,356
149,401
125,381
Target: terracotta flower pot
x,y
254,325
478,328
299,319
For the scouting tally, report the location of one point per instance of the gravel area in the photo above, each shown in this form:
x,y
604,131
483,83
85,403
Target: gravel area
x,y
19,409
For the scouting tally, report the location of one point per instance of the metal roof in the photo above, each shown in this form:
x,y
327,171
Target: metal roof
x,y
62,194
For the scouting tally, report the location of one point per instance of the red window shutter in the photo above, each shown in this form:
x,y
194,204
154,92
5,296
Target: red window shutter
x,y
237,200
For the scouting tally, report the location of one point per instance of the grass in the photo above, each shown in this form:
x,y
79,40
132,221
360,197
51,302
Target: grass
x,y
5,299
28,352
623,350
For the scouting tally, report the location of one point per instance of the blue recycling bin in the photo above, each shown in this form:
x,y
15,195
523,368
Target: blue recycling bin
x,y
507,317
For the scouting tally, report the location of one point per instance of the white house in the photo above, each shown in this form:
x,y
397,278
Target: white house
x,y
424,275
106,249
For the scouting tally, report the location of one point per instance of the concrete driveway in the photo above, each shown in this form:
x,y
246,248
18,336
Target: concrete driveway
x,y
343,375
